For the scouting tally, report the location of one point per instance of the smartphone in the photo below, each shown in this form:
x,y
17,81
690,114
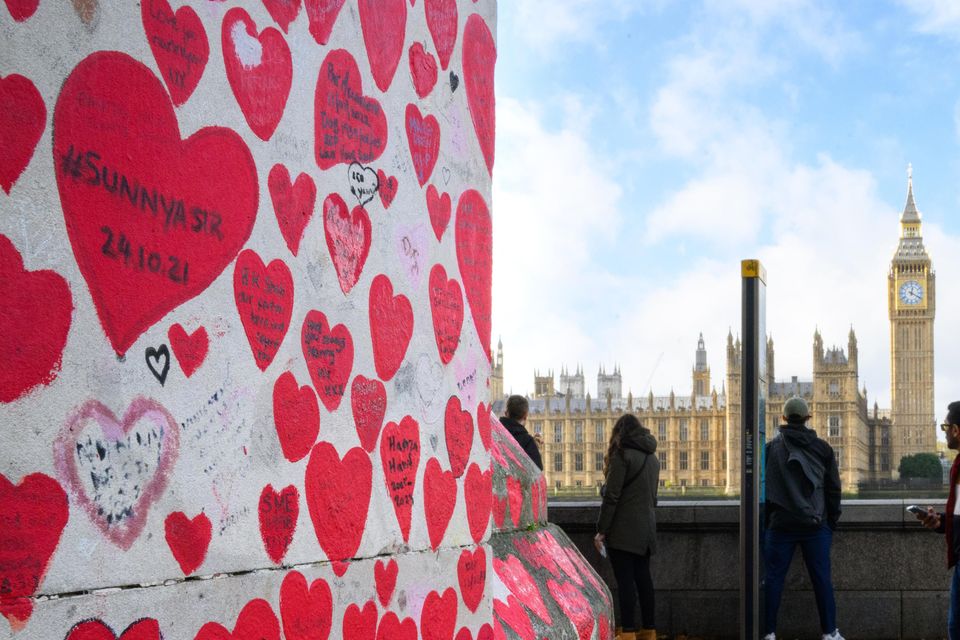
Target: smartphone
x,y
916,510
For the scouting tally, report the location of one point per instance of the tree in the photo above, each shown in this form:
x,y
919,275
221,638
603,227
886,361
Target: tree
x,y
921,465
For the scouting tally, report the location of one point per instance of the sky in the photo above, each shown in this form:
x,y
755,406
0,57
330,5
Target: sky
x,y
646,147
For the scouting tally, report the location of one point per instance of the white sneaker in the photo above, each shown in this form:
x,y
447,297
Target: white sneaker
x,y
832,636
770,636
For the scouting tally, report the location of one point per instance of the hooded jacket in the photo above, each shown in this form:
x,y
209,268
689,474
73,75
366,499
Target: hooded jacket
x,y
524,439
802,481
627,516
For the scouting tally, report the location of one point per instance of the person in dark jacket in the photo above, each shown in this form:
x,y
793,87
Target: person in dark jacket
x,y
514,421
627,526
950,524
802,508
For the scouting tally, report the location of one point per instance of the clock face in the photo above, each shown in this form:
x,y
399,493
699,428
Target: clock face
x,y
911,292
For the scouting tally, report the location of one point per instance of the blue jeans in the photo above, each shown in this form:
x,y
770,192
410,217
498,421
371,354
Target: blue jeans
x,y
953,613
778,551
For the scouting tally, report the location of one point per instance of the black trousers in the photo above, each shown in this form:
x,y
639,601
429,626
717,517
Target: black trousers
x,y
632,572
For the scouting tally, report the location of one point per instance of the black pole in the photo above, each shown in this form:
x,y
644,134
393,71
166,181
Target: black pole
x,y
752,430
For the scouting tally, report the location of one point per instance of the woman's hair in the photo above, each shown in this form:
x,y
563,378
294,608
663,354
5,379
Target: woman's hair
x,y
625,424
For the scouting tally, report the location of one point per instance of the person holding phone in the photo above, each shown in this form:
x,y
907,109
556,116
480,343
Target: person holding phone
x,y
627,526
948,522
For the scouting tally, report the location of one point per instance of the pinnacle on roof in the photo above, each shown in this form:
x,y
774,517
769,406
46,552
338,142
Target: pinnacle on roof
x,y
910,213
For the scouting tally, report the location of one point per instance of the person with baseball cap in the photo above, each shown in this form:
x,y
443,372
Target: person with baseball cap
x,y
802,508
950,524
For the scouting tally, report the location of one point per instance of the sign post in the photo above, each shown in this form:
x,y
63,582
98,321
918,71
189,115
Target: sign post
x,y
753,436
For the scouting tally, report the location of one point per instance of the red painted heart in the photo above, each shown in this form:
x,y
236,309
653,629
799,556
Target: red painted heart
x,y
20,10
518,581
259,69
439,207
387,189
33,330
439,499
368,399
256,621
474,235
479,61
338,497
392,628
322,14
603,625
32,517
499,510
292,204
391,326
190,349
264,297
573,604
423,136
179,44
306,611
283,11
423,69
296,416
458,430
446,308
438,618
472,576
485,424
348,126
442,23
385,578
360,624
478,495
400,457
384,24
153,220
513,614
23,116
329,355
348,239
515,498
188,539
143,629
278,514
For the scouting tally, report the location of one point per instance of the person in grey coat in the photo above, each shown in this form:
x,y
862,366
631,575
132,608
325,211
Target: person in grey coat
x,y
627,527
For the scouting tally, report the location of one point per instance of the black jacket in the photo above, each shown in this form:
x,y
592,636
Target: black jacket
x,y
627,515
802,481
524,439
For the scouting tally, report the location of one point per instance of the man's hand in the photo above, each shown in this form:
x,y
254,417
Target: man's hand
x,y
598,542
930,519
538,439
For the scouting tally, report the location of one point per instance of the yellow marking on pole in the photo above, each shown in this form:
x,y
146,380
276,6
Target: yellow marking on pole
x,y
753,269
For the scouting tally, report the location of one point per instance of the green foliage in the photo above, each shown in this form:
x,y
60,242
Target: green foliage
x,y
921,465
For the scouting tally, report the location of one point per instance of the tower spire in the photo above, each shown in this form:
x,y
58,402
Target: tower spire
x,y
910,213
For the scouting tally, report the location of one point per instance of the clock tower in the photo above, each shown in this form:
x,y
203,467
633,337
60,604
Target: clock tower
x,y
912,303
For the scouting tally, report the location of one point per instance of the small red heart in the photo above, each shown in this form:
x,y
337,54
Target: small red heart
x,y
283,11
485,424
20,10
439,207
400,457
190,349
446,309
478,495
188,539
479,61
278,514
439,499
472,576
23,116
329,355
442,22
348,239
142,629
423,136
423,69
392,628
573,604
338,498
179,44
387,189
321,15
513,614
368,399
384,25
515,498
391,326
360,624
264,297
259,68
458,430
256,621
474,235
306,612
517,580
292,204
296,416
464,634
385,577
438,618
603,624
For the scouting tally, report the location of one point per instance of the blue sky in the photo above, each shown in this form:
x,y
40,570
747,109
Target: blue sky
x,y
645,147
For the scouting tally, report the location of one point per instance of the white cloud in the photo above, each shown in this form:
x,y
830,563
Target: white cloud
x,y
940,17
544,25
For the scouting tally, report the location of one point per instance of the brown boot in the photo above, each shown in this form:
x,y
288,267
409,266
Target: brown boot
x,y
626,635
646,634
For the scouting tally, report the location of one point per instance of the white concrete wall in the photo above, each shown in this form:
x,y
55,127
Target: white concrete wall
x,y
165,370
